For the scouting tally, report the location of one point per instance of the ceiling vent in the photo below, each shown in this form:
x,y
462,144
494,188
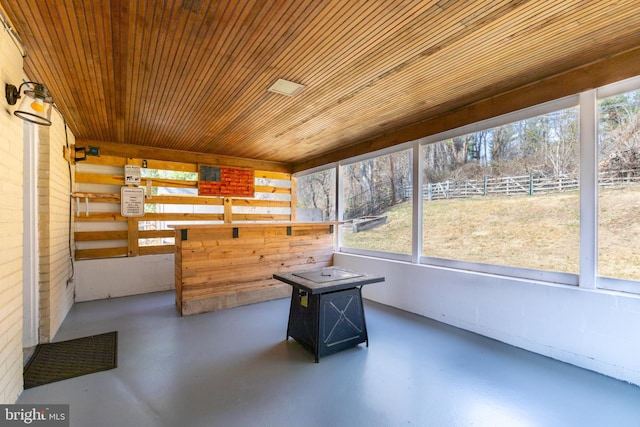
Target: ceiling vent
x,y
285,87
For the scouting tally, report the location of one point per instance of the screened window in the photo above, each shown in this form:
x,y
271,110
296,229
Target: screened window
x,y
619,186
506,196
316,196
377,203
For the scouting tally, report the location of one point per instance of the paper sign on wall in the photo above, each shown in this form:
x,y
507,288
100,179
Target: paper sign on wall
x,y
132,201
132,174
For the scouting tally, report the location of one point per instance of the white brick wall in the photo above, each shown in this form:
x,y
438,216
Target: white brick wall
x,y
11,224
593,329
56,297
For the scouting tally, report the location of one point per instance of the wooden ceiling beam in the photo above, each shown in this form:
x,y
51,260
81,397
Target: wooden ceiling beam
x,y
139,152
580,79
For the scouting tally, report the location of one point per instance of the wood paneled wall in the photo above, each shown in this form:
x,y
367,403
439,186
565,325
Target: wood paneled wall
x,y
226,266
101,230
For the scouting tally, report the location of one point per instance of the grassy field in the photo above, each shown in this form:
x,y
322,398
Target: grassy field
x,y
540,232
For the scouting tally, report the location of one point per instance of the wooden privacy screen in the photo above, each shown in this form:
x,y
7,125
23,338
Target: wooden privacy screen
x,y
170,179
223,266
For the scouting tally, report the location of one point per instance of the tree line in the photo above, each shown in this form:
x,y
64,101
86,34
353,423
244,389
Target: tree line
x,y
542,146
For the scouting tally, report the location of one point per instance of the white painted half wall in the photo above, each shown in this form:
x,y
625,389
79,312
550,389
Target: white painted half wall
x,y
593,329
118,277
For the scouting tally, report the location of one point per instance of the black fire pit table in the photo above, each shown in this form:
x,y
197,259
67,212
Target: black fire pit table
x,y
326,313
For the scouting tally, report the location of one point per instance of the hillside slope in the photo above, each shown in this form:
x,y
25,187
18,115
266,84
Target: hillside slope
x,y
540,232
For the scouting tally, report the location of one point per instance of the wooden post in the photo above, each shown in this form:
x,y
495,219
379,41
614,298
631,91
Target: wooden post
x,y
132,226
132,236
228,204
294,198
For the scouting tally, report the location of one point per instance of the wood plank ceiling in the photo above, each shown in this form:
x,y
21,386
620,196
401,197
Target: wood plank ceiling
x,y
193,74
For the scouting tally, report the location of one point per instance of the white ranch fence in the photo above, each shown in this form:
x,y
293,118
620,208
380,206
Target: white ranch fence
x,y
519,185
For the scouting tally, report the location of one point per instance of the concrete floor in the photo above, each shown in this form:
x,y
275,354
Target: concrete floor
x,y
234,368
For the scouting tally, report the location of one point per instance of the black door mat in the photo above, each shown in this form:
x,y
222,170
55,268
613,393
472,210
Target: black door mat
x,y
68,359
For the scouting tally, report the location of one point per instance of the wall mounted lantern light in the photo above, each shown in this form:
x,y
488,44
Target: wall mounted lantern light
x,y
36,103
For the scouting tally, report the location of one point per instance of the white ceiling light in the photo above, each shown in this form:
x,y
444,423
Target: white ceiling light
x,y
285,87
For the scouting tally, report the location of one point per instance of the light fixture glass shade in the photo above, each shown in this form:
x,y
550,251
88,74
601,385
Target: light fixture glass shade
x,y
35,106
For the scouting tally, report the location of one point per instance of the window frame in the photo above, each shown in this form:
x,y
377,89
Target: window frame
x,y
340,202
613,89
516,272
587,278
